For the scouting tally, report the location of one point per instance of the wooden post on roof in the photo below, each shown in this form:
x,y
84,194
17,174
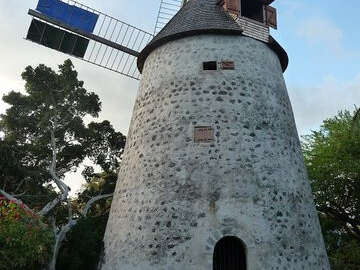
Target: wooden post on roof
x,y
231,6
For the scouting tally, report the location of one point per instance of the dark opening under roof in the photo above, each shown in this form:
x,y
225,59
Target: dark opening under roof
x,y
201,17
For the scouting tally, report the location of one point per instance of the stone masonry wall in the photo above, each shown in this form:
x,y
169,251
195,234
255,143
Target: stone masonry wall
x,y
176,198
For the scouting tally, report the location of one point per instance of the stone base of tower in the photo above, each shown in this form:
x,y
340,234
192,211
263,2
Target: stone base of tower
x,y
180,204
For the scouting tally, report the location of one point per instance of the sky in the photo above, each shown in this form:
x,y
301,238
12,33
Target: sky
x,y
321,38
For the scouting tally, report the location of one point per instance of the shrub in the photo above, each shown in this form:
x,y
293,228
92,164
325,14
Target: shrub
x,y
25,241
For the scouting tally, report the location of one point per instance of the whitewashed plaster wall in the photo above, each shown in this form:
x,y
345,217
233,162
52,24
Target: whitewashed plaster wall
x,y
175,198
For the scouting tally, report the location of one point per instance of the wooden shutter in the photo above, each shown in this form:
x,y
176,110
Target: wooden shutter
x,y
227,65
271,17
233,6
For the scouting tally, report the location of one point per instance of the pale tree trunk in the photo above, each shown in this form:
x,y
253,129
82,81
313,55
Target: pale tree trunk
x,y
64,189
61,233
59,238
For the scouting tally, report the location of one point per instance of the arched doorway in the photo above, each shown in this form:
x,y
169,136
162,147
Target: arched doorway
x,y
229,254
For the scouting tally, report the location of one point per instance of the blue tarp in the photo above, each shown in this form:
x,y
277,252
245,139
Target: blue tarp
x,y
68,14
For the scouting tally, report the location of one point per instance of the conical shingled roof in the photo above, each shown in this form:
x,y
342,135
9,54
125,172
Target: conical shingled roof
x,y
200,17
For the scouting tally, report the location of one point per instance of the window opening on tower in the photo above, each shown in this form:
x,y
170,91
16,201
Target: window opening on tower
x,y
253,10
229,254
211,65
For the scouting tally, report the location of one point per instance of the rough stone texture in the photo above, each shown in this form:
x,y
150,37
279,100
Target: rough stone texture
x,y
199,15
175,198
203,17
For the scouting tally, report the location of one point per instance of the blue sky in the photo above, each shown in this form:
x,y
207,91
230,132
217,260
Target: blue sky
x,y
320,36
322,40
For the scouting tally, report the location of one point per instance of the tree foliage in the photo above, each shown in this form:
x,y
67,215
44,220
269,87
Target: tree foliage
x,y
45,137
54,101
343,249
51,99
332,156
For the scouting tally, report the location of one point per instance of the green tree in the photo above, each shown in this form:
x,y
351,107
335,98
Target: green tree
x,y
20,179
53,103
332,156
45,137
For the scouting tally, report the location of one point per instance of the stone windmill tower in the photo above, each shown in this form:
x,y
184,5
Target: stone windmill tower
x,y
212,175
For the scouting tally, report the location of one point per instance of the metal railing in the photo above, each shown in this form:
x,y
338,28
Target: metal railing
x,y
167,10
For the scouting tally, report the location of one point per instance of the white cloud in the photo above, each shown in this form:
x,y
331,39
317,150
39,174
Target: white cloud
x,y
320,31
313,105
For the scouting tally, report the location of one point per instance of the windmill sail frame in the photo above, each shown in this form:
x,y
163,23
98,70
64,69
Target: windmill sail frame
x,y
167,10
113,44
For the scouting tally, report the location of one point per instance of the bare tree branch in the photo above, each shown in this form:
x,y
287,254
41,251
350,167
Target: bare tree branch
x,y
4,183
69,210
19,185
49,206
19,195
17,201
60,184
86,208
64,189
61,234
53,224
59,238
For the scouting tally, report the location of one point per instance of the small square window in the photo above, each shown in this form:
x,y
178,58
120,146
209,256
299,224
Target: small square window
x,y
253,10
211,65
203,134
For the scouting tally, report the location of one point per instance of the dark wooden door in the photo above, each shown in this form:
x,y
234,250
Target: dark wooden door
x,y
229,254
